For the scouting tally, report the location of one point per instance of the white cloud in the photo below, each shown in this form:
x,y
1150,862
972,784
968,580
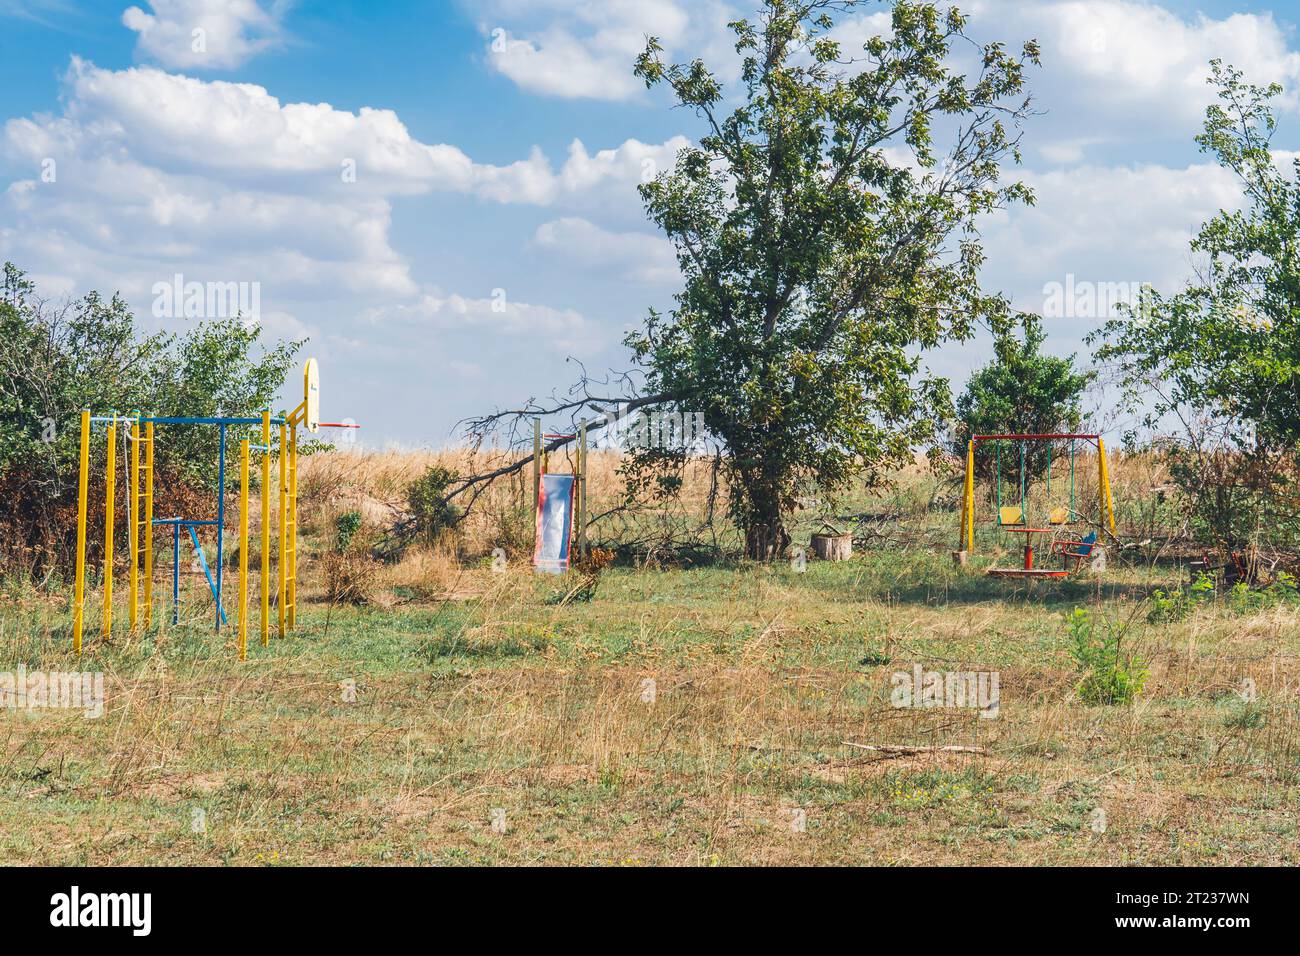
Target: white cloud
x,y
587,49
156,174
1143,53
1117,73
566,331
154,168
204,34
631,256
1128,224
557,64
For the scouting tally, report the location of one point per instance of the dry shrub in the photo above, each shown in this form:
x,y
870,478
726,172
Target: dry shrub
x,y
351,577
425,572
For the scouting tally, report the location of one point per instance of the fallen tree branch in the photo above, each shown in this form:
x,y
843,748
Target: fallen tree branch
x,y
479,425
905,750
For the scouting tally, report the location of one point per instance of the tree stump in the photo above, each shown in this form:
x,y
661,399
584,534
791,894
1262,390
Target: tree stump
x,y
835,546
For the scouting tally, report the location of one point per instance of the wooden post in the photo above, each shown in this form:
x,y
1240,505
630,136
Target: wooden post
x,y
537,462
109,472
243,549
582,491
266,528
79,585
147,528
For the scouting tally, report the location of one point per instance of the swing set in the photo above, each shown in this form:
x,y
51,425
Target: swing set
x,y
1056,515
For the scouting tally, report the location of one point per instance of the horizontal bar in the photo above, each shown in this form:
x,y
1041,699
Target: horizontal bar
x,y
211,421
183,522
1027,437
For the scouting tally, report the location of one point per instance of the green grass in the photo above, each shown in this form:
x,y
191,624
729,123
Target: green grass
x,y
762,674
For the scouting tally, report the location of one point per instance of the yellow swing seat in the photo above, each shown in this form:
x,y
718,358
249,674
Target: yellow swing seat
x,y
1011,515
1059,516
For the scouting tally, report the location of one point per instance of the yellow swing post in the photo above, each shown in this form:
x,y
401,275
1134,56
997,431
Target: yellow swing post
x,y
243,549
109,473
968,501
1107,501
79,587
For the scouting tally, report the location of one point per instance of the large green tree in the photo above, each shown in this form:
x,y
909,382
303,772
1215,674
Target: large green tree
x,y
825,225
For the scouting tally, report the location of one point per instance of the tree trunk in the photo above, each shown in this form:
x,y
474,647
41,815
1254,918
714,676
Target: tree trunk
x,y
766,541
765,534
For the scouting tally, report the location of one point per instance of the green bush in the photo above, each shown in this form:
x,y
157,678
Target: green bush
x,y
89,353
1110,675
426,497
1170,606
346,526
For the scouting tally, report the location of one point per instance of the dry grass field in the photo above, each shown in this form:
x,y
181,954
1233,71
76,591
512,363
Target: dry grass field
x,y
713,713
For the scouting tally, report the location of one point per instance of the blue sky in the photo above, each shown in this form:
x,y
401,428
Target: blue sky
x,y
493,228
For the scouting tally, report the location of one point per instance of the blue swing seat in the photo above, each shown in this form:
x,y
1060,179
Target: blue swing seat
x,y
1076,548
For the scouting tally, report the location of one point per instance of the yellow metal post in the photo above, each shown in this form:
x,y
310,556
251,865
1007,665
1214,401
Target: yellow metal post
x,y
266,528
133,521
968,500
292,595
243,549
280,554
1107,502
109,473
79,586
147,524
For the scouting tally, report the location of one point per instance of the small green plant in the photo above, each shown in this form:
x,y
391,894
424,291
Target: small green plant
x,y
1249,716
346,526
426,497
1110,675
1170,606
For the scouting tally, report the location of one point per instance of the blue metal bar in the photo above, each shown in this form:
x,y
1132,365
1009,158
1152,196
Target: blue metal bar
x,y
221,614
